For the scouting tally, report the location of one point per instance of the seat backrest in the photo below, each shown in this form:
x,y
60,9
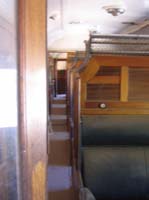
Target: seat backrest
x,y
115,156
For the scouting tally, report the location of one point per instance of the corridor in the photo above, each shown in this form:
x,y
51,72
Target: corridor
x,y
59,165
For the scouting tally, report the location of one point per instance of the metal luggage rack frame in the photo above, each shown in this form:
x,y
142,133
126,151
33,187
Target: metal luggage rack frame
x,y
118,44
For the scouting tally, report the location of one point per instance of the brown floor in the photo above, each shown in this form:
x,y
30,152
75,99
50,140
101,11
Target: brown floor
x,y
59,169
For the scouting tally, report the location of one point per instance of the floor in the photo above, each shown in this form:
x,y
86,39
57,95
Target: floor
x,y
60,185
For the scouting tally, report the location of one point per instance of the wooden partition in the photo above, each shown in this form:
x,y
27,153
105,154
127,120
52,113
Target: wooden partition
x,y
73,103
115,85
105,85
33,98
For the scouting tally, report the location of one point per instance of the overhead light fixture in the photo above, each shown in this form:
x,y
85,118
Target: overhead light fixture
x,y
75,22
114,10
54,16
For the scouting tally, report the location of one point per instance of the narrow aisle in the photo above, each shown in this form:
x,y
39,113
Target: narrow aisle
x,y
59,168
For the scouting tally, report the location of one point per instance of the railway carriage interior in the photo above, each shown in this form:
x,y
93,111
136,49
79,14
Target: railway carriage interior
x,y
77,100
107,106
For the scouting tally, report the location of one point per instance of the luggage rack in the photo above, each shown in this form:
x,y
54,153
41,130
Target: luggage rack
x,y
118,44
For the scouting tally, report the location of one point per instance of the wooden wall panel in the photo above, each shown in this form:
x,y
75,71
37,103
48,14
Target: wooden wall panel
x,y
103,92
139,84
105,85
118,80
108,71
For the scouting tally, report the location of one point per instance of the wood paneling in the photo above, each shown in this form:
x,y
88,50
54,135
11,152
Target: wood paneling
x,y
139,84
131,61
118,105
113,111
108,71
33,97
103,92
119,80
105,80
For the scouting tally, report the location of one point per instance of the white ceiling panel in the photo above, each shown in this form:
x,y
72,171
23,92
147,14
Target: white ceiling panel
x,y
7,8
81,16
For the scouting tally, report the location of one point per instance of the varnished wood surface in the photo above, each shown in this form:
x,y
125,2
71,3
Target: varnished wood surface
x,y
139,84
90,70
131,61
118,104
105,80
112,111
115,79
103,92
33,98
124,83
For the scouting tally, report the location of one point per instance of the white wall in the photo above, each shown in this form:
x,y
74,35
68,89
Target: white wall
x,y
8,64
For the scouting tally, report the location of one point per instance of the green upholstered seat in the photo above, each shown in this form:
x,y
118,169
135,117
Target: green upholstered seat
x,y
116,172
115,130
115,156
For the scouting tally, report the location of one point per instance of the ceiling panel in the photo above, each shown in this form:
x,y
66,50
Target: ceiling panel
x,y
7,8
79,17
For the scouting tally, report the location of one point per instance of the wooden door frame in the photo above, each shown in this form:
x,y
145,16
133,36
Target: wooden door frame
x,y
32,52
56,60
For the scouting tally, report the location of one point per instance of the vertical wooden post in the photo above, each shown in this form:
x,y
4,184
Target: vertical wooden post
x,y
124,84
85,76
33,98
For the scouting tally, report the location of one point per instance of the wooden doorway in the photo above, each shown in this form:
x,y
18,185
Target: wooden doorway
x,y
61,76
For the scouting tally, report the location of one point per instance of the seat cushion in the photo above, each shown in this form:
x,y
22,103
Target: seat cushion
x,y
119,172
115,130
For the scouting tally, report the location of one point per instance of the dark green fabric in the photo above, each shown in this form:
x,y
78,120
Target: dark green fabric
x,y
115,130
117,172
115,156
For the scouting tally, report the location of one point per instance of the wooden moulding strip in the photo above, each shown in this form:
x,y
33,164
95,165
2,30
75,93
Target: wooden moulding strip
x,y
114,111
120,105
83,94
105,80
131,61
124,84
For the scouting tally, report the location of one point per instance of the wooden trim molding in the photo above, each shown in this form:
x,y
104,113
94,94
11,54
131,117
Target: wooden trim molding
x,y
130,61
33,98
114,111
118,105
